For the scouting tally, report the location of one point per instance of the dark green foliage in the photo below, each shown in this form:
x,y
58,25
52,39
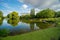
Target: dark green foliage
x,y
25,17
57,14
4,32
59,38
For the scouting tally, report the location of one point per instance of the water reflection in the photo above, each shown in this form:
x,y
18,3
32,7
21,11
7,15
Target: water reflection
x,y
13,22
32,26
44,25
1,22
17,27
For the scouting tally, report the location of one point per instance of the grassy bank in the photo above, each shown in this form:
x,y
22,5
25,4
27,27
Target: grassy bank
x,y
46,34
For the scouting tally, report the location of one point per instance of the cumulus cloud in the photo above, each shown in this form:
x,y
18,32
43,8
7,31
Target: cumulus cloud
x,y
37,10
24,6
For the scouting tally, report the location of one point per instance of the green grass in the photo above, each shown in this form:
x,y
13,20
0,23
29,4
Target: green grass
x,y
45,34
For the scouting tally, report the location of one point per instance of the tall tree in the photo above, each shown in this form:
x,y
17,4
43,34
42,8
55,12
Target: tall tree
x,y
32,13
1,14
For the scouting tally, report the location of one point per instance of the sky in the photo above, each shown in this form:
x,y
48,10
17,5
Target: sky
x,y
24,6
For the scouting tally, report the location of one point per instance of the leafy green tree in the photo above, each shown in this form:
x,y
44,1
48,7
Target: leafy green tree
x,y
57,14
13,15
25,17
1,14
47,13
32,13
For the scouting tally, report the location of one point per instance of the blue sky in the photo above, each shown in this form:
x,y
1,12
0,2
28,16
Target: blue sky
x,y
8,6
24,6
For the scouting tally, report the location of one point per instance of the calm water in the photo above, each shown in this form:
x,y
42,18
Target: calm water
x,y
17,27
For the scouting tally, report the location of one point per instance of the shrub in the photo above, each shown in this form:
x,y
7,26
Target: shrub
x,y
4,32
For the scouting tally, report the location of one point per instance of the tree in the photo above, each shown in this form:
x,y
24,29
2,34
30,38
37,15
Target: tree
x,y
32,13
47,13
13,15
25,16
1,14
57,14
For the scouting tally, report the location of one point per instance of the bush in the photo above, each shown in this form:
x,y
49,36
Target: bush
x,y
4,32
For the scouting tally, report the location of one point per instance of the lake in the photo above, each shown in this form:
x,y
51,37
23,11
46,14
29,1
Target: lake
x,y
18,27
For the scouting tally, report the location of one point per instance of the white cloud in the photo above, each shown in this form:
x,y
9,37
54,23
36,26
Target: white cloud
x,y
37,10
43,4
24,6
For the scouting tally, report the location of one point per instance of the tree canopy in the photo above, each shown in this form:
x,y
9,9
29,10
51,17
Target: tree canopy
x,y
47,13
13,15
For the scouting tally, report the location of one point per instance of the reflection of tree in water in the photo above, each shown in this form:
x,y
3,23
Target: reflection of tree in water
x,y
1,21
13,22
43,25
1,17
13,18
32,26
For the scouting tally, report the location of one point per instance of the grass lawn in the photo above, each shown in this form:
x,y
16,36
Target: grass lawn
x,y
45,34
